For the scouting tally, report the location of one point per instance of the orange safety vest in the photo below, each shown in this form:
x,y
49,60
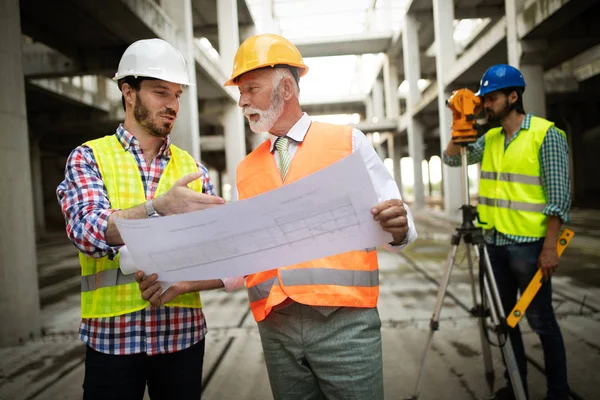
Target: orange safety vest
x,y
345,280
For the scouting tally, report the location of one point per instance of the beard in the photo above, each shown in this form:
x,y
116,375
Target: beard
x,y
495,118
142,116
267,118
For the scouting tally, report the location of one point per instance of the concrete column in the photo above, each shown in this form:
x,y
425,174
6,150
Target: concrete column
x,y
378,102
232,120
269,24
369,107
19,293
390,83
396,155
186,132
512,9
235,143
443,22
38,189
216,181
534,99
229,34
415,130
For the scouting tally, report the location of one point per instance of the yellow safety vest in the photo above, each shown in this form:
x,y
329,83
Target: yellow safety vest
x,y
511,195
105,291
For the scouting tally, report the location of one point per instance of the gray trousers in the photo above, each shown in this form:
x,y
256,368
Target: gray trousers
x,y
323,353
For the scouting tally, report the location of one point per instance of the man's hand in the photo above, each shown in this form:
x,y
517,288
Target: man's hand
x,y
181,199
548,261
391,215
151,289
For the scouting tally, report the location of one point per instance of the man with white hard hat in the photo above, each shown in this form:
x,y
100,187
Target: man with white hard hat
x,y
133,174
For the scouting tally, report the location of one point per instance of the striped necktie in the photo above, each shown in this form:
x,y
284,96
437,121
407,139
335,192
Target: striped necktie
x,y
284,157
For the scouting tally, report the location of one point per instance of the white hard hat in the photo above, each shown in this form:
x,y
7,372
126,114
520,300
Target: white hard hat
x,y
153,58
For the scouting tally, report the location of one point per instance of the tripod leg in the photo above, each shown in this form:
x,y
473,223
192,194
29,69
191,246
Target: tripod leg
x,y
497,313
434,322
479,312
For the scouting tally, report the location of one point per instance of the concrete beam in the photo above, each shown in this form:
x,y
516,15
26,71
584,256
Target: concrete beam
x,y
77,93
213,143
41,61
536,12
480,48
365,43
585,65
335,105
386,125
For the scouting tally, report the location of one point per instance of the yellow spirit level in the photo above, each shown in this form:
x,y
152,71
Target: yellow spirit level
x,y
536,283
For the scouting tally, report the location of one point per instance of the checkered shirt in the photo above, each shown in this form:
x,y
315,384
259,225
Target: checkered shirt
x,y
86,208
554,164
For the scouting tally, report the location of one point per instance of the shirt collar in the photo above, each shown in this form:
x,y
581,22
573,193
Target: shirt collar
x,y
297,133
127,140
525,124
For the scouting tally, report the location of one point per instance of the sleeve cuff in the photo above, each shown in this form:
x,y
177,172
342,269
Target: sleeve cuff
x,y
552,210
233,283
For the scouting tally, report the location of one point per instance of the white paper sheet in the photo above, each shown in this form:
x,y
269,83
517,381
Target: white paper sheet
x,y
320,215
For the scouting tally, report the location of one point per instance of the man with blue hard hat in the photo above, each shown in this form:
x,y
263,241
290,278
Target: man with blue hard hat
x,y
524,198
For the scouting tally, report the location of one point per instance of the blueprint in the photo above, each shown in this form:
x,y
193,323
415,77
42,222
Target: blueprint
x,y
320,215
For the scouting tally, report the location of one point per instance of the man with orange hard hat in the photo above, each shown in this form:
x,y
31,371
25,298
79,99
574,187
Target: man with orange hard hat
x,y
318,321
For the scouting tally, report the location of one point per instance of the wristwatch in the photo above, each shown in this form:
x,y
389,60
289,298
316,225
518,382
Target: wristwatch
x,y
150,209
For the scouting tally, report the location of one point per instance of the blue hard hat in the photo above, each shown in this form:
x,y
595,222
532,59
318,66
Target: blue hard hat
x,y
500,76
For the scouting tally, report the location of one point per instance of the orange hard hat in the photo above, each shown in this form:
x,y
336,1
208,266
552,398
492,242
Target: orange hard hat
x,y
266,50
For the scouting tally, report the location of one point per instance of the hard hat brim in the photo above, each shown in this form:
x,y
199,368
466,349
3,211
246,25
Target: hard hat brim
x,y
179,82
302,70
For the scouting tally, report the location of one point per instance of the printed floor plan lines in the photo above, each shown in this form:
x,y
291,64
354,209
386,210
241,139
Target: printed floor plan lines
x,y
286,231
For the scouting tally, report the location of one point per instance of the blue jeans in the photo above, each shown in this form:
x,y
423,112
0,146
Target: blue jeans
x,y
514,266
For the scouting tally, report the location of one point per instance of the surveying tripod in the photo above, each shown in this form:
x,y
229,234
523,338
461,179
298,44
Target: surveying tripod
x,y
473,236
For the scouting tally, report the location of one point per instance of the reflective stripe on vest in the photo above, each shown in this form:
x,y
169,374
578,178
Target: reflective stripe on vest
x,y
509,177
106,278
315,276
510,204
262,290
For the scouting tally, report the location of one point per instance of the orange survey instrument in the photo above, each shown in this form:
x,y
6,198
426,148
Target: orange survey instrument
x,y
465,105
536,283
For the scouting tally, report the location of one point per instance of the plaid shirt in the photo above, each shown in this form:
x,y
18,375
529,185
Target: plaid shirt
x,y
554,164
86,208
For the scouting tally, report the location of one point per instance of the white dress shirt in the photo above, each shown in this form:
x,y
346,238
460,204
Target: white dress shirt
x,y
384,184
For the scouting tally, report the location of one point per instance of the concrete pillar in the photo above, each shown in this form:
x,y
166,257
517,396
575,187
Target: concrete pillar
x,y
232,120
369,107
269,24
443,22
390,83
512,8
235,143
396,155
415,130
534,99
19,293
38,189
186,132
378,100
216,181
229,34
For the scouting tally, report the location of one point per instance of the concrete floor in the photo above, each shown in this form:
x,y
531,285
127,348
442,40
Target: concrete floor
x,y
52,367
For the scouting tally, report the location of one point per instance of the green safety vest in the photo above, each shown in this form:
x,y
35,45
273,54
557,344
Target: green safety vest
x,y
511,195
105,291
